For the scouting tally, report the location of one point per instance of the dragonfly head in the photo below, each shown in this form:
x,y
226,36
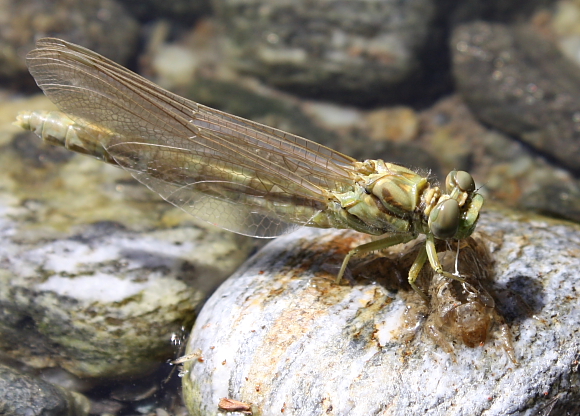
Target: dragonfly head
x,y
455,215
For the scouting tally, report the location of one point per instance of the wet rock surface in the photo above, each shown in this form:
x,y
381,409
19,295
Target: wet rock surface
x,y
101,25
518,81
179,10
360,49
22,394
281,335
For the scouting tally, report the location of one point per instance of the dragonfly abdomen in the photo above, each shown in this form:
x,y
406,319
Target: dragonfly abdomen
x,y
54,127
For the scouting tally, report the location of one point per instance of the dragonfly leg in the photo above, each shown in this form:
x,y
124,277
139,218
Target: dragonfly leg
x,y
434,260
386,242
416,269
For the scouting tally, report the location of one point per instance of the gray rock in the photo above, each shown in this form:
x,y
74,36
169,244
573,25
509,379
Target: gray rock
x,y
105,301
496,10
357,48
185,11
281,336
101,25
24,395
517,81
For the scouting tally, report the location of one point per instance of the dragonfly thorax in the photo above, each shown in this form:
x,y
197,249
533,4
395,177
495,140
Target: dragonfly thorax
x,y
408,195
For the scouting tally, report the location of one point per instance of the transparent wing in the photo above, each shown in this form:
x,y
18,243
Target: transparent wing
x,y
238,174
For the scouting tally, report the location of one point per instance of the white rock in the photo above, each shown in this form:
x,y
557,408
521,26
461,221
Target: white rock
x,y
281,336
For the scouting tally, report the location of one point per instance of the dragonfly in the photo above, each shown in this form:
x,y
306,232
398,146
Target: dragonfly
x,y
240,175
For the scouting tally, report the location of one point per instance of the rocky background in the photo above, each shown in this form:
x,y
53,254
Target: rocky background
x,y
100,280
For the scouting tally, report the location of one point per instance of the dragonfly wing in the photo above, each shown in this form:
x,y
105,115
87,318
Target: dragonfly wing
x,y
174,145
244,216
236,198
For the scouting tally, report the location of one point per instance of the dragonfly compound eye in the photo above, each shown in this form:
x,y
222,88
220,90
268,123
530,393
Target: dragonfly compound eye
x,y
444,219
459,179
